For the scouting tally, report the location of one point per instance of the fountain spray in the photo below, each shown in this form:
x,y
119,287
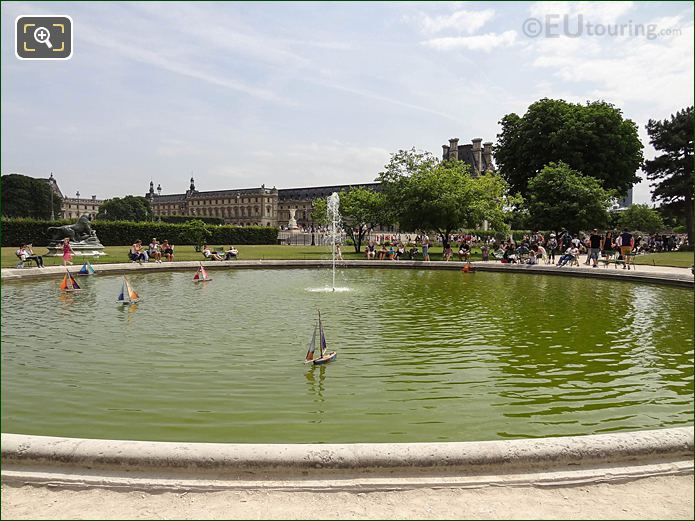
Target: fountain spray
x,y
333,214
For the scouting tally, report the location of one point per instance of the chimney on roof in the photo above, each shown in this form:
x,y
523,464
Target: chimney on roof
x,y
477,155
454,148
445,152
487,156
94,198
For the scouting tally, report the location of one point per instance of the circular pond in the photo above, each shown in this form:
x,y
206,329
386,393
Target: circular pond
x,y
422,356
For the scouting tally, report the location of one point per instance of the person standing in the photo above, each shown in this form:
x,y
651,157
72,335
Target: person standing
x,y
552,248
627,242
426,248
594,247
67,252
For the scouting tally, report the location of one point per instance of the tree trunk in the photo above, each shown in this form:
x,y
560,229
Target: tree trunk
x,y
689,217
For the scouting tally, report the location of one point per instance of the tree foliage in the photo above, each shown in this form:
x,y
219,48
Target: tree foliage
x,y
424,193
560,197
128,208
360,209
642,218
196,233
593,139
672,171
24,196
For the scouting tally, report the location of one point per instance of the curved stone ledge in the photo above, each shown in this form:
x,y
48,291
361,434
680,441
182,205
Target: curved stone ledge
x,y
264,461
669,276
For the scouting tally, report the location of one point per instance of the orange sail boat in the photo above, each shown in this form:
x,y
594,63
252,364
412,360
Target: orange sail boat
x,y
69,283
127,295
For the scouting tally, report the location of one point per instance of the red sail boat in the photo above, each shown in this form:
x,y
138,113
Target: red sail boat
x,y
201,275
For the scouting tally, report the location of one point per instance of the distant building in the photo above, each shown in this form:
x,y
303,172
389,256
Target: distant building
x,y
245,206
74,207
478,155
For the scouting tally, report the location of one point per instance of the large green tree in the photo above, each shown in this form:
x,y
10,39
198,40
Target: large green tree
x,y
672,171
24,196
360,211
128,208
427,194
593,139
641,218
560,197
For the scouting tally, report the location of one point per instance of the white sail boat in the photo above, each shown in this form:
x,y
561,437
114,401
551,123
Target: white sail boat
x,y
324,355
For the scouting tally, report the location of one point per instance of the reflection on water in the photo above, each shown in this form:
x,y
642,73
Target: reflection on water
x,y
423,356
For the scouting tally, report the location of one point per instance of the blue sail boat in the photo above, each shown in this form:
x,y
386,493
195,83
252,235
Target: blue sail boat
x,y
87,269
127,295
324,355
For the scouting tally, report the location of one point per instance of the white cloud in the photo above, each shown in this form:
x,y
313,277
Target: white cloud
x,y
481,42
462,21
596,12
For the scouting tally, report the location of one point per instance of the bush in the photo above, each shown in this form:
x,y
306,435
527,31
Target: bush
x,y
116,233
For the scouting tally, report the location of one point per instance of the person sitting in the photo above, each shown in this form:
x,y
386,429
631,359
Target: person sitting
x,y
464,252
392,253
413,252
210,255
154,251
232,253
382,252
136,253
371,250
509,256
570,255
167,250
25,253
400,252
485,252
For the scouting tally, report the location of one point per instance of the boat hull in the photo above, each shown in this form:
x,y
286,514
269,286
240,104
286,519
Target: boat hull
x,y
328,357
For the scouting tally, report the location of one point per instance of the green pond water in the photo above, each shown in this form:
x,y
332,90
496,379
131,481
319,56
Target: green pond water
x,y
422,356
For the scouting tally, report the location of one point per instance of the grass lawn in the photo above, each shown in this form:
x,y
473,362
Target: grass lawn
x,y
279,252
187,253
679,259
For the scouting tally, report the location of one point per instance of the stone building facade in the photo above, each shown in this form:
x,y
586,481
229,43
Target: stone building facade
x,y
74,207
478,155
248,206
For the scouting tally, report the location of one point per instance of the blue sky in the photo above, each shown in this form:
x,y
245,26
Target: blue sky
x,y
307,94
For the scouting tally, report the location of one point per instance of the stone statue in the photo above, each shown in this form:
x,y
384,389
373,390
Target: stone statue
x,y
292,224
83,239
77,232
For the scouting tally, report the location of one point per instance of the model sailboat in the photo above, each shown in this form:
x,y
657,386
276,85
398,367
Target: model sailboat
x,y
87,269
127,295
201,275
69,283
324,355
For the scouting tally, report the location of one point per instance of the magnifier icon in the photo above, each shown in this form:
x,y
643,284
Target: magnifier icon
x,y
43,35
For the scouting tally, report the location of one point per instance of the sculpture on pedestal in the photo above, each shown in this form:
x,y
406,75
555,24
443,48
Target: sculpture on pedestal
x,y
83,239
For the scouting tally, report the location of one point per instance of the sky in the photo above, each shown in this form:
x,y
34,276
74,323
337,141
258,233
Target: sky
x,y
309,94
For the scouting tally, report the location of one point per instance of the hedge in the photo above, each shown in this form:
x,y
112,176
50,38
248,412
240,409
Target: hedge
x,y
180,219
117,233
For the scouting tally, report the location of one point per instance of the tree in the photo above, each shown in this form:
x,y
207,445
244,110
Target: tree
x,y
128,208
426,194
642,218
24,196
360,211
673,170
560,197
196,233
593,139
